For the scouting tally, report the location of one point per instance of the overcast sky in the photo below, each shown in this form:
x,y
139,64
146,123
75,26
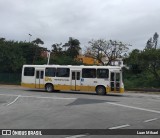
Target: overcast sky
x,y
54,21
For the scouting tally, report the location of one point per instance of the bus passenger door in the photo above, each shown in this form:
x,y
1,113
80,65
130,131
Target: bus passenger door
x,y
115,81
39,80
75,80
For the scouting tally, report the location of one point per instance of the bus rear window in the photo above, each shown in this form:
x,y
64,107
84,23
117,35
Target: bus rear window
x,y
29,71
102,73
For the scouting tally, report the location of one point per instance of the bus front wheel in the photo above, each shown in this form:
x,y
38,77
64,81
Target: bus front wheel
x,y
49,87
100,90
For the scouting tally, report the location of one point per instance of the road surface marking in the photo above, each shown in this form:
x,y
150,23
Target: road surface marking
x,y
133,107
25,96
150,120
76,136
14,100
117,127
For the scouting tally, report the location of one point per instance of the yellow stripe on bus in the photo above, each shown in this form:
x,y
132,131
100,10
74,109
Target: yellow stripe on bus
x,y
69,87
32,85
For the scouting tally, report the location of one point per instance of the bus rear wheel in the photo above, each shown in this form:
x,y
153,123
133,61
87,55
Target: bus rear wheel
x,y
49,87
100,90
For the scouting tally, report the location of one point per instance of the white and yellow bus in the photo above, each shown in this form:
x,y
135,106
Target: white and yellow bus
x,y
99,79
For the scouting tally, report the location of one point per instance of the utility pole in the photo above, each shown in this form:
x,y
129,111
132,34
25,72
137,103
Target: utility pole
x,y
48,55
29,37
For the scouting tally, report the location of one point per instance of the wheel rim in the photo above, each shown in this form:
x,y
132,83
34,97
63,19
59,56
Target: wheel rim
x,y
100,90
49,88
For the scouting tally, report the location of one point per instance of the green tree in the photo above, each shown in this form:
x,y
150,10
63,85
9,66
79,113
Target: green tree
x,y
2,39
155,39
65,54
33,53
38,50
11,57
150,57
73,47
150,61
57,49
64,60
152,42
133,61
147,60
15,54
110,50
38,41
149,44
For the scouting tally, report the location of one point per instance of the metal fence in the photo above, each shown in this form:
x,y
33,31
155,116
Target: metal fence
x,y
10,78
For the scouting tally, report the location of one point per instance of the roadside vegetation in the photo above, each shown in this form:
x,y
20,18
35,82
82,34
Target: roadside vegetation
x,y
142,66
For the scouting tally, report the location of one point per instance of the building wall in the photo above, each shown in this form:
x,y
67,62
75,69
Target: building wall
x,y
87,60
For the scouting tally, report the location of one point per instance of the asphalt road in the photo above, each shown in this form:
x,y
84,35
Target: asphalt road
x,y
22,108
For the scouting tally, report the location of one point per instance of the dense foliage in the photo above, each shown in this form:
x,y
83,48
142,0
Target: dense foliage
x,y
66,54
144,66
13,55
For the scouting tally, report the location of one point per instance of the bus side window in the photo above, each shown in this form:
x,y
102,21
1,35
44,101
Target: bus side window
x,y
117,76
73,75
78,75
29,71
102,73
42,74
63,72
112,76
88,73
50,72
37,74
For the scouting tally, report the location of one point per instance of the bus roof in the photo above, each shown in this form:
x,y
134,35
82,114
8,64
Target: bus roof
x,y
73,66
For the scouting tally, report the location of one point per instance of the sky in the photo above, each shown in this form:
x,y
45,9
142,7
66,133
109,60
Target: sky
x,y
54,21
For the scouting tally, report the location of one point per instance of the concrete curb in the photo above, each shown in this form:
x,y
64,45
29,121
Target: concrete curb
x,y
143,92
144,89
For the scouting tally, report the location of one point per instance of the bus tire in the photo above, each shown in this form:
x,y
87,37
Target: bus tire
x,y
49,87
100,90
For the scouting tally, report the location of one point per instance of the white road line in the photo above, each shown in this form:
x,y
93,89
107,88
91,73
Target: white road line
x,y
117,127
137,108
14,100
150,120
76,136
25,96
